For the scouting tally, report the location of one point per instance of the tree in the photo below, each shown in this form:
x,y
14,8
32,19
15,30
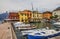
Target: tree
x,y
55,16
51,17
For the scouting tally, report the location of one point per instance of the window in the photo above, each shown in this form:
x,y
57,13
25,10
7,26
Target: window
x,y
33,15
15,18
22,14
37,15
22,20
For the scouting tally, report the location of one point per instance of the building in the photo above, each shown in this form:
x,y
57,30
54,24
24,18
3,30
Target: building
x,y
13,16
36,16
47,15
40,16
25,15
56,12
28,13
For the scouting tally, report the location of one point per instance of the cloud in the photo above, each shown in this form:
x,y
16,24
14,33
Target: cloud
x,y
42,5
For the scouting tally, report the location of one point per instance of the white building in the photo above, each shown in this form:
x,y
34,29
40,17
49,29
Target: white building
x,y
56,12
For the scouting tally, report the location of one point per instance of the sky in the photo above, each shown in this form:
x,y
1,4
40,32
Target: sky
x,y
18,5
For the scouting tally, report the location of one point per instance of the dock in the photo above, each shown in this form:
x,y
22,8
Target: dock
x,y
6,31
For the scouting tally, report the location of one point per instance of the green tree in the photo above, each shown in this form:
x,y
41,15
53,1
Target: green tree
x,y
51,17
55,16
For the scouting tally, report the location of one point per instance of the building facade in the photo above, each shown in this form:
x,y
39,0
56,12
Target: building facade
x,y
40,16
57,12
13,16
25,15
47,15
36,16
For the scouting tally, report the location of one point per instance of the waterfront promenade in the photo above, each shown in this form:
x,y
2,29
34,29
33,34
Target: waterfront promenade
x,y
6,31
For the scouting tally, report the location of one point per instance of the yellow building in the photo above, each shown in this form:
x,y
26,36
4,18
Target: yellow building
x,y
36,16
25,15
22,17
28,16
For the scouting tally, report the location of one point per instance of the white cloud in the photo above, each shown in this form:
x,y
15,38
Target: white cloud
x,y
42,5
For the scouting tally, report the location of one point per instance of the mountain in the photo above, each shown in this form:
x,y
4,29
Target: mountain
x,y
3,16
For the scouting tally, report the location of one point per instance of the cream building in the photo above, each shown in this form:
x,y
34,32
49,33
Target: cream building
x,y
40,15
36,16
56,12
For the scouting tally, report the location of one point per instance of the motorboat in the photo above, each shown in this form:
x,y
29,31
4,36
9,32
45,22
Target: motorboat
x,y
43,31
57,24
21,25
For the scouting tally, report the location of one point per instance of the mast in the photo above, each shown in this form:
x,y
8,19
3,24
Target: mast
x,y
37,10
32,6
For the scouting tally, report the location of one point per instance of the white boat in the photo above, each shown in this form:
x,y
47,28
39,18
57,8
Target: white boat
x,y
57,24
22,25
47,32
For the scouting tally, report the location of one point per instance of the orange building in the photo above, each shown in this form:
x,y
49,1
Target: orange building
x,y
13,16
47,15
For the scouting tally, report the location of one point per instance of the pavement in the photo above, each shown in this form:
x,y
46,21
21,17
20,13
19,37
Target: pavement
x,y
6,31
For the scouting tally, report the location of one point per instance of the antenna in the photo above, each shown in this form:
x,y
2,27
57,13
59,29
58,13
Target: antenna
x,y
32,6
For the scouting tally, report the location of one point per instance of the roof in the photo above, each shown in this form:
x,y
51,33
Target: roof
x,y
13,14
57,9
27,10
47,12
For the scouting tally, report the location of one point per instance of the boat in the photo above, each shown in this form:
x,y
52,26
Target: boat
x,y
21,26
57,24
